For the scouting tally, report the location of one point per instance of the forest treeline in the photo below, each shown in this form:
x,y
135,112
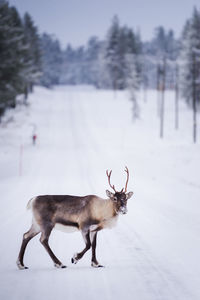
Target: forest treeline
x,y
121,60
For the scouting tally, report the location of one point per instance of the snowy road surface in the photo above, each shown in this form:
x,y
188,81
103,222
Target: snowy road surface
x,y
154,252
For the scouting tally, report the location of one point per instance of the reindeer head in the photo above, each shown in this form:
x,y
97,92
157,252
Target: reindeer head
x,y
119,198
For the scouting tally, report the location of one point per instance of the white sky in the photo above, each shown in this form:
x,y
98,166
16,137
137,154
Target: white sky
x,y
74,21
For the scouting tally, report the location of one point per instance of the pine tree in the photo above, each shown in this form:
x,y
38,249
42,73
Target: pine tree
x,y
20,55
32,57
121,41
68,69
162,45
190,48
112,53
132,83
91,66
190,64
11,53
52,58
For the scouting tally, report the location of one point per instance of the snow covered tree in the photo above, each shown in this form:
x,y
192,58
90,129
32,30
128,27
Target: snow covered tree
x,y
86,65
52,58
120,42
73,70
190,65
112,53
11,53
91,65
103,77
191,50
32,57
14,50
69,68
162,45
132,83
4,89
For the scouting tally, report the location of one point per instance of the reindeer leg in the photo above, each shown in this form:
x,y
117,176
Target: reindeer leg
x,y
26,238
94,262
44,239
78,256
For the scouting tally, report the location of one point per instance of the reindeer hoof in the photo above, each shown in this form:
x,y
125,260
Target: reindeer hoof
x,y
74,259
96,265
60,266
20,266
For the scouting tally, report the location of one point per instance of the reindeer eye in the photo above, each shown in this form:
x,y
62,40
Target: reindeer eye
x,y
115,198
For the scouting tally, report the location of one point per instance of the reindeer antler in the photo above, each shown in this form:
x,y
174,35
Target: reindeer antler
x,y
127,171
109,174
112,186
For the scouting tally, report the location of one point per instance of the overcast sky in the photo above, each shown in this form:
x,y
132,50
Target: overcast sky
x,y
74,21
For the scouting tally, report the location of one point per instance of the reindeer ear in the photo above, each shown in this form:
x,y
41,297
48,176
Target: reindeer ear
x,y
109,194
129,195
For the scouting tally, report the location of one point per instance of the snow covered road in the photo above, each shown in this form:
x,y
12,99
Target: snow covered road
x,y
153,253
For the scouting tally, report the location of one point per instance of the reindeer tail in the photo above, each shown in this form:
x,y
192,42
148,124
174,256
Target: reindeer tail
x,y
30,203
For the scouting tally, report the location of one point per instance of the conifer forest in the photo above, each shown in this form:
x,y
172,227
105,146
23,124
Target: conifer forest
x,y
99,138
122,60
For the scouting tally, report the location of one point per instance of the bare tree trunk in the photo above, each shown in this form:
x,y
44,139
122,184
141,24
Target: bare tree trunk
x,y
194,100
31,87
25,94
162,100
177,98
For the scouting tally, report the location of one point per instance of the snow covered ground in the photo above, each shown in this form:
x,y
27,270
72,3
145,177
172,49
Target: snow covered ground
x,y
153,253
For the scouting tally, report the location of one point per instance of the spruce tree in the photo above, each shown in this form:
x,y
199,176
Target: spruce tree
x,y
190,49
132,83
91,66
52,58
20,55
190,64
121,41
32,57
11,53
112,53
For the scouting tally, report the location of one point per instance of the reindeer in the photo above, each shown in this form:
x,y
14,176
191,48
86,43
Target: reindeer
x,y
89,214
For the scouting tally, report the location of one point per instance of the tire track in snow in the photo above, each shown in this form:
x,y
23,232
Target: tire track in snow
x,y
89,136
78,142
160,281
85,144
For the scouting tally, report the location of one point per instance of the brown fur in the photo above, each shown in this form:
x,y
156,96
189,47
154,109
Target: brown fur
x,y
89,214
84,211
